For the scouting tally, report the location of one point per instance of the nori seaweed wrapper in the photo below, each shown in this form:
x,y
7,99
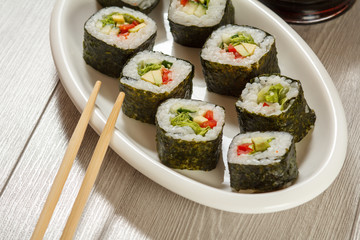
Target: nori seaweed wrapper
x,y
109,59
264,178
191,155
227,79
142,104
194,36
183,148
298,119
120,3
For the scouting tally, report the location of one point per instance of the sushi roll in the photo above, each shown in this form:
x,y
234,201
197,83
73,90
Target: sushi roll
x,y
192,21
149,78
189,134
114,34
145,6
233,55
275,103
262,161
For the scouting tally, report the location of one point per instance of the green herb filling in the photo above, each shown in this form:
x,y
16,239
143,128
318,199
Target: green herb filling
x,y
274,94
183,118
144,67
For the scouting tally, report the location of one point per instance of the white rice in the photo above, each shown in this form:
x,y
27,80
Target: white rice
x,y
248,98
164,116
133,40
179,71
213,15
278,147
212,52
142,4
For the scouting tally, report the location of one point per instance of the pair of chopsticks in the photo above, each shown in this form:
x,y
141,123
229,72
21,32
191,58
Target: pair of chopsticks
x,y
67,162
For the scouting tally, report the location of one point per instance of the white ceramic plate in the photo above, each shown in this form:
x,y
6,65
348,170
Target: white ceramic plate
x,y
320,155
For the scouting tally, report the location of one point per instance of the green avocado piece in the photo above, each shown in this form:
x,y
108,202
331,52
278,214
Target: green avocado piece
x,y
261,144
273,94
148,77
137,27
157,76
242,50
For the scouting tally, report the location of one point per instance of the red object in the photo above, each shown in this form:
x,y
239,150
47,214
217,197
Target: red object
x,y
210,123
209,115
244,149
265,104
233,50
165,76
183,2
125,28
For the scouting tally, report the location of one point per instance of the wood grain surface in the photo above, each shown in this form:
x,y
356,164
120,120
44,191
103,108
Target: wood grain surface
x,y
37,119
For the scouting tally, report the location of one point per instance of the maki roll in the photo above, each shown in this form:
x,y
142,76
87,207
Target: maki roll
x,y
149,78
189,134
275,103
262,161
235,54
192,21
145,6
114,34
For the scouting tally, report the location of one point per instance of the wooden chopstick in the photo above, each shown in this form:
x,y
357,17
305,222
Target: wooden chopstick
x,y
66,164
92,170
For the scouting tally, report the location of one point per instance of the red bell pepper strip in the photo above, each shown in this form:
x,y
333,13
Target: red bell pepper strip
x,y
209,115
232,49
244,149
126,27
165,76
210,123
183,2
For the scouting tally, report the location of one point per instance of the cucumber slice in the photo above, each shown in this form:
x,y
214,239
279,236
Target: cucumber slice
x,y
190,7
200,11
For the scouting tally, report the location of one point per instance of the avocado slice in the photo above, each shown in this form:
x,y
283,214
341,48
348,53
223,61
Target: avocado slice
x,y
260,143
118,18
148,77
154,77
157,76
250,48
137,27
242,50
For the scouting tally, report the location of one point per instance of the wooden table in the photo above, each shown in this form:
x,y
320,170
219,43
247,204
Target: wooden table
x,y
37,119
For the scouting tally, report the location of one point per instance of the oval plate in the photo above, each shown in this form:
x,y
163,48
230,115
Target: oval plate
x,y
320,155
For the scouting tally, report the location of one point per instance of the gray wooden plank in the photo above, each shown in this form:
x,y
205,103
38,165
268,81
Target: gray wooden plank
x,y
28,75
